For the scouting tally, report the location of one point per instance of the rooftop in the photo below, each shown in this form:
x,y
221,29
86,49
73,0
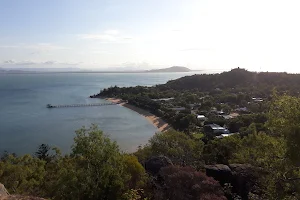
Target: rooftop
x,y
216,127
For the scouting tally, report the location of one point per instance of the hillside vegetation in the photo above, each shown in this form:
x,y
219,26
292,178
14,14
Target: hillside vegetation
x,y
237,79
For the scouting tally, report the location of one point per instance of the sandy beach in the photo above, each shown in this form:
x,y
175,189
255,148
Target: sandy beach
x,y
160,124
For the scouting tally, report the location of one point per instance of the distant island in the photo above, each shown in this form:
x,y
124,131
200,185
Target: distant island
x,y
171,69
77,70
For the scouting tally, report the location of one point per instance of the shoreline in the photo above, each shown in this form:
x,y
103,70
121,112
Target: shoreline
x,y
159,123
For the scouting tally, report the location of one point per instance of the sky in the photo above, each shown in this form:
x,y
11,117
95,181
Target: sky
x,y
259,35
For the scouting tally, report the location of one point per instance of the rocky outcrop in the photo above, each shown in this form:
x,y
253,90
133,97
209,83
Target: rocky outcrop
x,y
4,195
19,197
3,191
154,164
220,172
242,177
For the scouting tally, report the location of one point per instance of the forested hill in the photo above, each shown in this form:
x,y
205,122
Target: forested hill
x,y
236,78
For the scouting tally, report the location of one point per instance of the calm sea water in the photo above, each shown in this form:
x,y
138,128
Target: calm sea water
x,y
25,122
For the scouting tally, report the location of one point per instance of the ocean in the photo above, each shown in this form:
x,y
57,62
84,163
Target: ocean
x,y
25,122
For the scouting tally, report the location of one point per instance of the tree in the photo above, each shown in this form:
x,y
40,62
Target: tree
x,y
136,171
284,113
284,121
259,149
43,152
96,169
99,168
183,183
177,146
22,175
220,151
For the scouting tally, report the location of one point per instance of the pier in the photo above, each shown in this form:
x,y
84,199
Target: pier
x,y
80,105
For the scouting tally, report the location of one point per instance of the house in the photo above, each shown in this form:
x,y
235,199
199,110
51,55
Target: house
x,y
257,99
234,115
221,112
230,116
226,135
201,117
213,130
226,116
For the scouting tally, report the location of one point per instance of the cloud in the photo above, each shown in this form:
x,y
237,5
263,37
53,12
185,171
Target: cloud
x,y
196,49
12,62
37,47
111,32
100,52
135,65
25,63
9,62
104,37
110,36
50,62
46,47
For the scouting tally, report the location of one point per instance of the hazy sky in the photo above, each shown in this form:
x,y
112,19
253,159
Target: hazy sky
x,y
200,34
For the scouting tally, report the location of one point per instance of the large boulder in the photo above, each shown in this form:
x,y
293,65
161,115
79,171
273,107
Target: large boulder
x,y
154,164
220,172
3,191
242,177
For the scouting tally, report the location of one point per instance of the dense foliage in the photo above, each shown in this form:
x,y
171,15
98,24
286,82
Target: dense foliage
x,y
177,146
181,183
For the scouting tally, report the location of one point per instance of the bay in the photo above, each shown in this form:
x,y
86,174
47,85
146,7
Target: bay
x,y
25,122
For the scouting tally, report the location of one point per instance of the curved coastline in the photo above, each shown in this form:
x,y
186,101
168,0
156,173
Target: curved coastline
x,y
160,124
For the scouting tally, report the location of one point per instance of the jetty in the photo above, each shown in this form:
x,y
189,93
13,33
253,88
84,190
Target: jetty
x,y
80,105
